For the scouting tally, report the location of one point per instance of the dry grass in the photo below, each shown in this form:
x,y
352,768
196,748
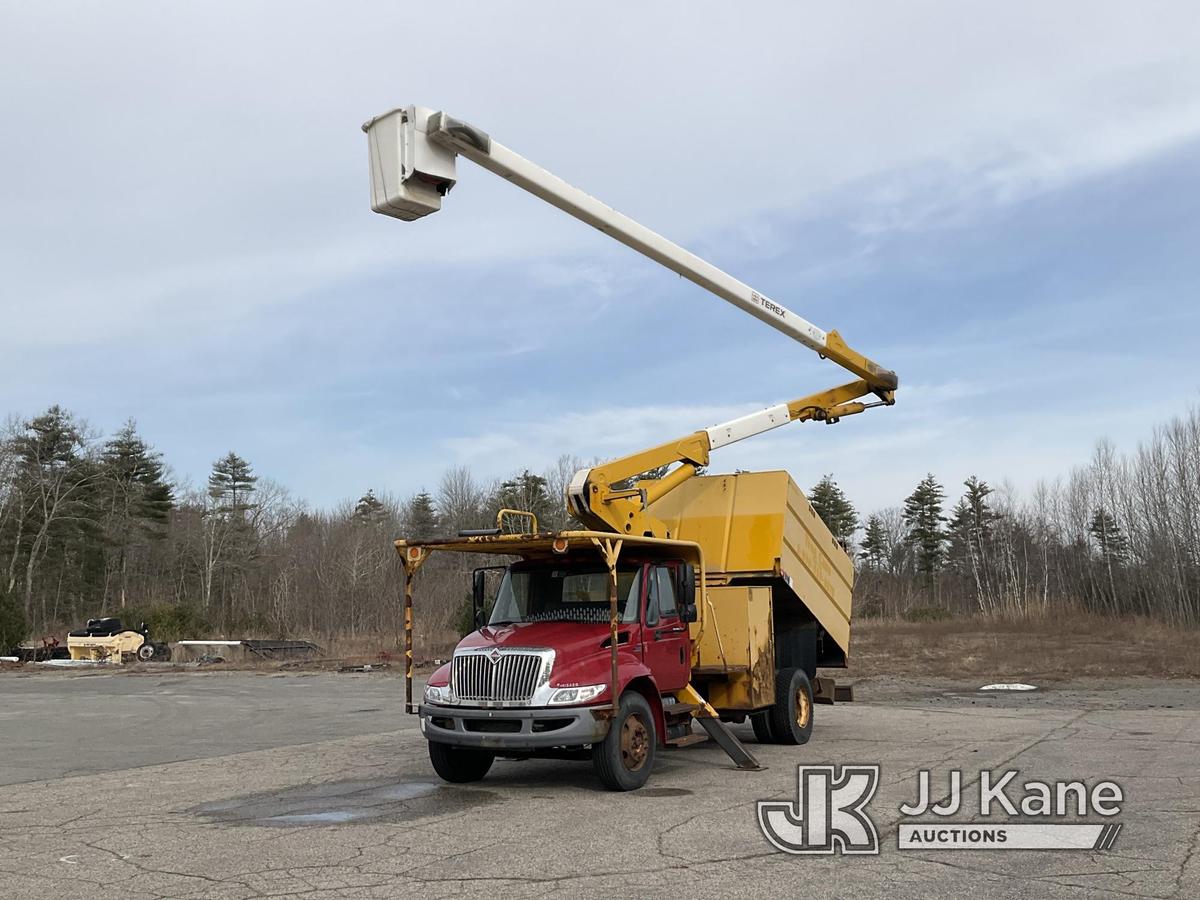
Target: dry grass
x,y
428,644
1051,648
1056,648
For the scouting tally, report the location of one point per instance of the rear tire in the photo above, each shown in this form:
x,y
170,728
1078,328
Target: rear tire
x,y
460,765
762,727
624,758
792,715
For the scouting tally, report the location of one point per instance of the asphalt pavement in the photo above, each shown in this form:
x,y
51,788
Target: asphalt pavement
x,y
242,785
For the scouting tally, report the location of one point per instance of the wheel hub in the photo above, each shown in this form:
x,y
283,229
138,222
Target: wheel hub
x,y
635,743
803,708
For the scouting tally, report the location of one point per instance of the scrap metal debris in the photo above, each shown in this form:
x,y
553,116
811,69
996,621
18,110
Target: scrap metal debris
x,y
1009,686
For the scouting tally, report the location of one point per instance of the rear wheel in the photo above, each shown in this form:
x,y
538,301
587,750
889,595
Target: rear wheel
x,y
460,765
624,758
792,715
762,727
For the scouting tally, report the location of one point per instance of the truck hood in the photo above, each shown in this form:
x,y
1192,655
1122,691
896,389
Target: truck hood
x,y
570,640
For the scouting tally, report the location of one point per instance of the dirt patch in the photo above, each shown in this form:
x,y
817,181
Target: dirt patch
x,y
1046,649
973,651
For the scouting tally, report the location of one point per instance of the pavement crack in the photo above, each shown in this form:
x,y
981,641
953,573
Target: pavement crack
x,y
1187,859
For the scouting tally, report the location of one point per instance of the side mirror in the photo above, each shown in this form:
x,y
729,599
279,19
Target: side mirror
x,y
687,593
478,588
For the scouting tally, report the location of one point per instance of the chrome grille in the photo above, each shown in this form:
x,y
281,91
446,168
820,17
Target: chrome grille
x,y
512,678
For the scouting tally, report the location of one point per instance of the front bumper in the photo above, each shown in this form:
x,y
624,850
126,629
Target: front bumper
x,y
512,729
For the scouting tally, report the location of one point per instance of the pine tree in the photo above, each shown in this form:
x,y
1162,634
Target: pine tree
x,y
422,517
1114,550
231,485
56,476
1111,541
137,498
958,536
369,510
971,524
229,537
926,532
525,492
875,545
130,463
830,503
981,514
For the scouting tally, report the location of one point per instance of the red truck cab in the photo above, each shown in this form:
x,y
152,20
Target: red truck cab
x,y
535,678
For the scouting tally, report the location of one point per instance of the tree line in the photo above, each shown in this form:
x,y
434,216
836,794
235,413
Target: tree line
x,y
93,525
1118,535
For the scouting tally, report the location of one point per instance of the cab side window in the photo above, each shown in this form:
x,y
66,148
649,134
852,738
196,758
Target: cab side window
x,y
652,596
666,592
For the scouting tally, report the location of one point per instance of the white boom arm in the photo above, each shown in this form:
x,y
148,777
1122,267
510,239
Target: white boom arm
x,y
413,153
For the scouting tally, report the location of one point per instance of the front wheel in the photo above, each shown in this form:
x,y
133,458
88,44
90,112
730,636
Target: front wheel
x,y
624,758
460,765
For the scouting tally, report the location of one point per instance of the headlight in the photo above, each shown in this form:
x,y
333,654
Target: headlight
x,y
436,694
577,694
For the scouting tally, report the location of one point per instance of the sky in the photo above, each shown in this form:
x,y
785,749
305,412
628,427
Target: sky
x,y
998,201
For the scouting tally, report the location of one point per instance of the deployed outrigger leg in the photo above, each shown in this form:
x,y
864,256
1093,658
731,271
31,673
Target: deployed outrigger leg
x,y
719,731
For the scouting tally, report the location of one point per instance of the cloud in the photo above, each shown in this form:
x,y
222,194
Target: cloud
x,y
599,433
185,234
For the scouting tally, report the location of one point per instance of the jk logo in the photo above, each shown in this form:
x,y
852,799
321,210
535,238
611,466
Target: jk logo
x,y
828,815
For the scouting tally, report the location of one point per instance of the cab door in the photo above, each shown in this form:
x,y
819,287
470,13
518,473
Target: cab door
x,y
666,644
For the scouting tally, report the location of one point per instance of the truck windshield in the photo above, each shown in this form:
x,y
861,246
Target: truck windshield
x,y
564,595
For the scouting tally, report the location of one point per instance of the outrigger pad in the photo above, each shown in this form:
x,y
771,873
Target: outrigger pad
x,y
826,690
728,742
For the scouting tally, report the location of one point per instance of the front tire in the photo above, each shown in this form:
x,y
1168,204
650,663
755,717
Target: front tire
x,y
460,765
792,715
624,758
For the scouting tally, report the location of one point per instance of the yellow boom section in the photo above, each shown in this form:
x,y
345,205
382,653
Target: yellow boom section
x,y
594,500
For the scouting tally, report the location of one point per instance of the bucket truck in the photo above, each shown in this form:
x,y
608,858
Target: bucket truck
x,y
683,599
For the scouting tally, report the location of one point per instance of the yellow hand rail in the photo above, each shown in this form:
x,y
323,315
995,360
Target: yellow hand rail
x,y
519,513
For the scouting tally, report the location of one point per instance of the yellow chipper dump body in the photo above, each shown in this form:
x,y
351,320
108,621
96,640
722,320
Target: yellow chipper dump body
x,y
779,584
